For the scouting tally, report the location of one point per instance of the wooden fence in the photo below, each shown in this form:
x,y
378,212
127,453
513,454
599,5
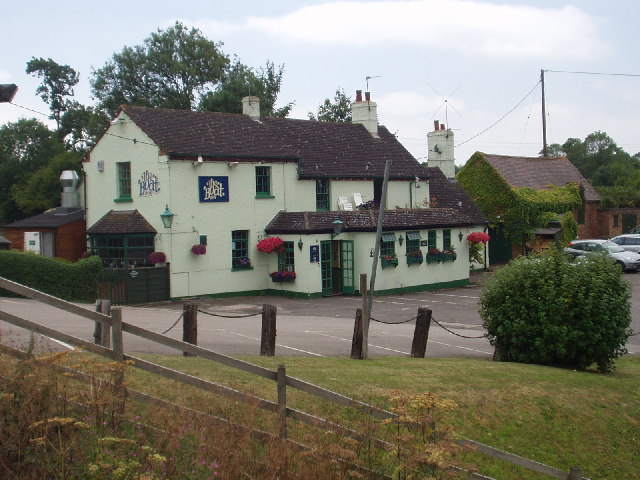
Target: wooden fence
x,y
116,352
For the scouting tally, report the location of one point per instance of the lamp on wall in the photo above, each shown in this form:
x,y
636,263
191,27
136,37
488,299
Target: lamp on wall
x,y
401,239
337,227
460,235
300,244
167,217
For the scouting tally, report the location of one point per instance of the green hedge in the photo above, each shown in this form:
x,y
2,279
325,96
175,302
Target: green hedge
x,y
60,278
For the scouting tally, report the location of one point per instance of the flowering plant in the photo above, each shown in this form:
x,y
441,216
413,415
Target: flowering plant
x,y
270,245
434,251
451,249
279,276
415,253
199,249
157,257
477,237
388,258
369,205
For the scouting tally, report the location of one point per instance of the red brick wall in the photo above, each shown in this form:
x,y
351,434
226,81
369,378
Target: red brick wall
x,y
69,240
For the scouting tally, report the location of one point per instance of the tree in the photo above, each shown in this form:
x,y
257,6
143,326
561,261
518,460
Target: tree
x,y
337,111
81,125
240,81
57,84
42,190
172,69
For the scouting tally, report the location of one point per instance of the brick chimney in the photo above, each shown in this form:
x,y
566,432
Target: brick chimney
x,y
365,113
440,144
251,107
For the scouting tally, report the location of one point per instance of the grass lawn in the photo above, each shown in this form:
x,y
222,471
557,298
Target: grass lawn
x,y
554,416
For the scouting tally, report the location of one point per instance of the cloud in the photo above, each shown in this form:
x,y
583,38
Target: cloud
x,y
473,28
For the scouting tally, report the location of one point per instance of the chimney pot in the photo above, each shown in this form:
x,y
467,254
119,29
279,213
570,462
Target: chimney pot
x,y
436,125
358,95
367,96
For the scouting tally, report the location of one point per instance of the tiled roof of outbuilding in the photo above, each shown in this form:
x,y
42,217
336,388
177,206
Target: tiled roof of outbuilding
x,y
54,218
323,149
540,172
450,194
120,222
367,220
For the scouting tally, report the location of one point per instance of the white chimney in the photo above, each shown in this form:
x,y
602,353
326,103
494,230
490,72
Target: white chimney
x,y
365,113
440,144
69,180
251,107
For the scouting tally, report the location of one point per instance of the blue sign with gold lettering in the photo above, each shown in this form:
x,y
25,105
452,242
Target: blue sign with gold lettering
x,y
213,189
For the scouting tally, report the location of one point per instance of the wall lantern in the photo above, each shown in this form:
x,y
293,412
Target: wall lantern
x,y
337,227
167,217
460,235
300,244
401,239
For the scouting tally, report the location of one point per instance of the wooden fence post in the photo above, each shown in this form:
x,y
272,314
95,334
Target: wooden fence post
x,y
421,333
102,331
189,325
356,342
268,337
575,474
118,346
282,402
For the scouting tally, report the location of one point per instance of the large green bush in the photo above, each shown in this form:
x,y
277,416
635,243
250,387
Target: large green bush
x,y
60,278
550,310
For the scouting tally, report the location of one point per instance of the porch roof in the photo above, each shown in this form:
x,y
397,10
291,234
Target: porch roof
x,y
121,222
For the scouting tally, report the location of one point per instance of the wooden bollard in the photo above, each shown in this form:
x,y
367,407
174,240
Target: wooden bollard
x,y
268,337
421,333
189,325
356,342
575,473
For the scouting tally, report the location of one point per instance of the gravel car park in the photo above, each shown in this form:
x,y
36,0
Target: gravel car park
x,y
626,259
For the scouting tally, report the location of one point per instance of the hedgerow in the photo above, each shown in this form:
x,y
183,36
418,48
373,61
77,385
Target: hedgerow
x,y
60,278
549,310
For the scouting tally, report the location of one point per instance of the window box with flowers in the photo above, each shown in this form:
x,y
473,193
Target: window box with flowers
x,y
434,255
415,257
389,261
199,249
159,259
241,263
283,277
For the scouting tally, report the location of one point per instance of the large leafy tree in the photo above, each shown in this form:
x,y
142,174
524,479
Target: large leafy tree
x,y
240,81
57,84
338,110
172,69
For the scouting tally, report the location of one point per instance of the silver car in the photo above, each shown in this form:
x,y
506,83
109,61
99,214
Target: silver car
x,y
626,260
629,242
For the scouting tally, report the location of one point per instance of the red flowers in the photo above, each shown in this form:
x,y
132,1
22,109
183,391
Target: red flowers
x,y
270,245
199,249
157,257
477,237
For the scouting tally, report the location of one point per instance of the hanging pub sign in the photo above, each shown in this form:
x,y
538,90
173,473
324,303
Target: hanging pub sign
x,y
148,183
213,189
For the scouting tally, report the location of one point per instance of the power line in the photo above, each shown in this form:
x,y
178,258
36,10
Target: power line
x,y
596,73
501,118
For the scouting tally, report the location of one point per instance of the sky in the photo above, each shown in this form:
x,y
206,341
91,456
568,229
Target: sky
x,y
474,65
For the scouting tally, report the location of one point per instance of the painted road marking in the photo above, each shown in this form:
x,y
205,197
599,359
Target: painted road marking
x,y
257,339
349,340
439,343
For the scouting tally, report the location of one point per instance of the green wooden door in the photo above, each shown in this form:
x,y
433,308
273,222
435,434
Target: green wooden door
x,y
325,267
629,220
346,264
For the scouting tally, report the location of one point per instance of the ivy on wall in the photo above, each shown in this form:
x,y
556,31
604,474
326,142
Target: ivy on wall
x,y
521,210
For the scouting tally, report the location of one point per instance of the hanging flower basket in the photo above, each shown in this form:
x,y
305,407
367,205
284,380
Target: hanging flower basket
x,y
157,257
283,277
477,237
270,245
199,249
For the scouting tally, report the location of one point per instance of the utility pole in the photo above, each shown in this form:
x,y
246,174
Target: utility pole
x,y
544,118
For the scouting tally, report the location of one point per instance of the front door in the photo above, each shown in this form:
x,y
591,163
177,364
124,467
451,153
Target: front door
x,y
629,220
325,267
346,265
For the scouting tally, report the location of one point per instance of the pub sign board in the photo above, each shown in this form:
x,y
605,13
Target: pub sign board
x,y
213,189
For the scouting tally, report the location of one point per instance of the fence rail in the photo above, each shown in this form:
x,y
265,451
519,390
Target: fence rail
x,y
117,353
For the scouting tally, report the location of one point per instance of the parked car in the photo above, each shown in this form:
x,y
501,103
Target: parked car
x,y
626,260
630,242
635,229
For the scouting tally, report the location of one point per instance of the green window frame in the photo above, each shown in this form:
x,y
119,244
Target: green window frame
x,y
122,251
263,182
388,245
286,261
446,239
432,240
323,203
240,250
123,172
413,242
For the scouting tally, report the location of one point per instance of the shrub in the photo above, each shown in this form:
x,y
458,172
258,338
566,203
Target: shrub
x,y
60,278
548,310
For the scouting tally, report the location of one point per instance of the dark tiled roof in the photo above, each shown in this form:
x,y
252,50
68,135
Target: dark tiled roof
x,y
450,194
367,220
331,149
540,172
54,218
119,222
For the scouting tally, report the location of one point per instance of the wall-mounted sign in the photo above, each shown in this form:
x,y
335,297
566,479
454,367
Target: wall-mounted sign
x,y
213,189
314,253
148,183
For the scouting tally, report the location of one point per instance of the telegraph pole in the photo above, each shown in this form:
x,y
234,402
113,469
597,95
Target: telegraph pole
x,y
544,119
